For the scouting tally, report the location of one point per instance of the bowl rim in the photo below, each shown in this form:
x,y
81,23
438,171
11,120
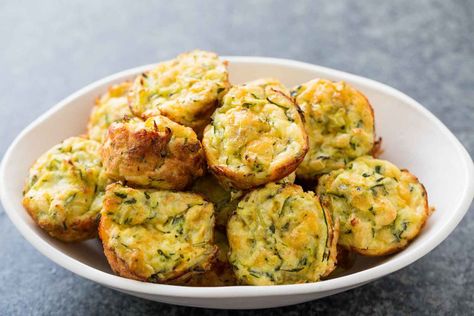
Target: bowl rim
x,y
344,282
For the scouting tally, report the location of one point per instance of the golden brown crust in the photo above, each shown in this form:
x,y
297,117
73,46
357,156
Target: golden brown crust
x,y
231,179
333,237
167,156
189,278
78,230
120,267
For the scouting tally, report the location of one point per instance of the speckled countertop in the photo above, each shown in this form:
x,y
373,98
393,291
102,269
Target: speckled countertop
x,y
423,48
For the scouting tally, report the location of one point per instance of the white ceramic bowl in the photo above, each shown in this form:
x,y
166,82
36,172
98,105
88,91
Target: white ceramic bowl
x,y
412,138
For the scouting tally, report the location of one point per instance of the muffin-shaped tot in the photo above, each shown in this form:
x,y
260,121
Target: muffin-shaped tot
x,y
64,189
280,235
157,153
156,236
380,207
110,107
256,136
221,273
340,125
186,89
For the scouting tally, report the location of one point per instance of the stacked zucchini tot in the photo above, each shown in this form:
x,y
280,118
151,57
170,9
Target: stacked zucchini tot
x,y
188,180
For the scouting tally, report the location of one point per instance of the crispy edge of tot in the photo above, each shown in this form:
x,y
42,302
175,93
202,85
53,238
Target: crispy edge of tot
x,y
80,230
232,179
333,238
117,265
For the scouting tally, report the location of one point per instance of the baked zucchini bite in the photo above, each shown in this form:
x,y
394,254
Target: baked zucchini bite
x,y
221,273
340,125
156,236
157,153
380,207
64,190
110,107
185,89
280,235
256,136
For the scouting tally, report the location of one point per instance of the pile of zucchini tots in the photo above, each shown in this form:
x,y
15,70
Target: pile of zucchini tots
x,y
190,180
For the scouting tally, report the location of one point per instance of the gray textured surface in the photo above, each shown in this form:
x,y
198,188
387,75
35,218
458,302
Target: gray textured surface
x,y
424,48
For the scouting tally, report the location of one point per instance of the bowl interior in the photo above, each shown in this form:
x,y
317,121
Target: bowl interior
x,y
412,139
